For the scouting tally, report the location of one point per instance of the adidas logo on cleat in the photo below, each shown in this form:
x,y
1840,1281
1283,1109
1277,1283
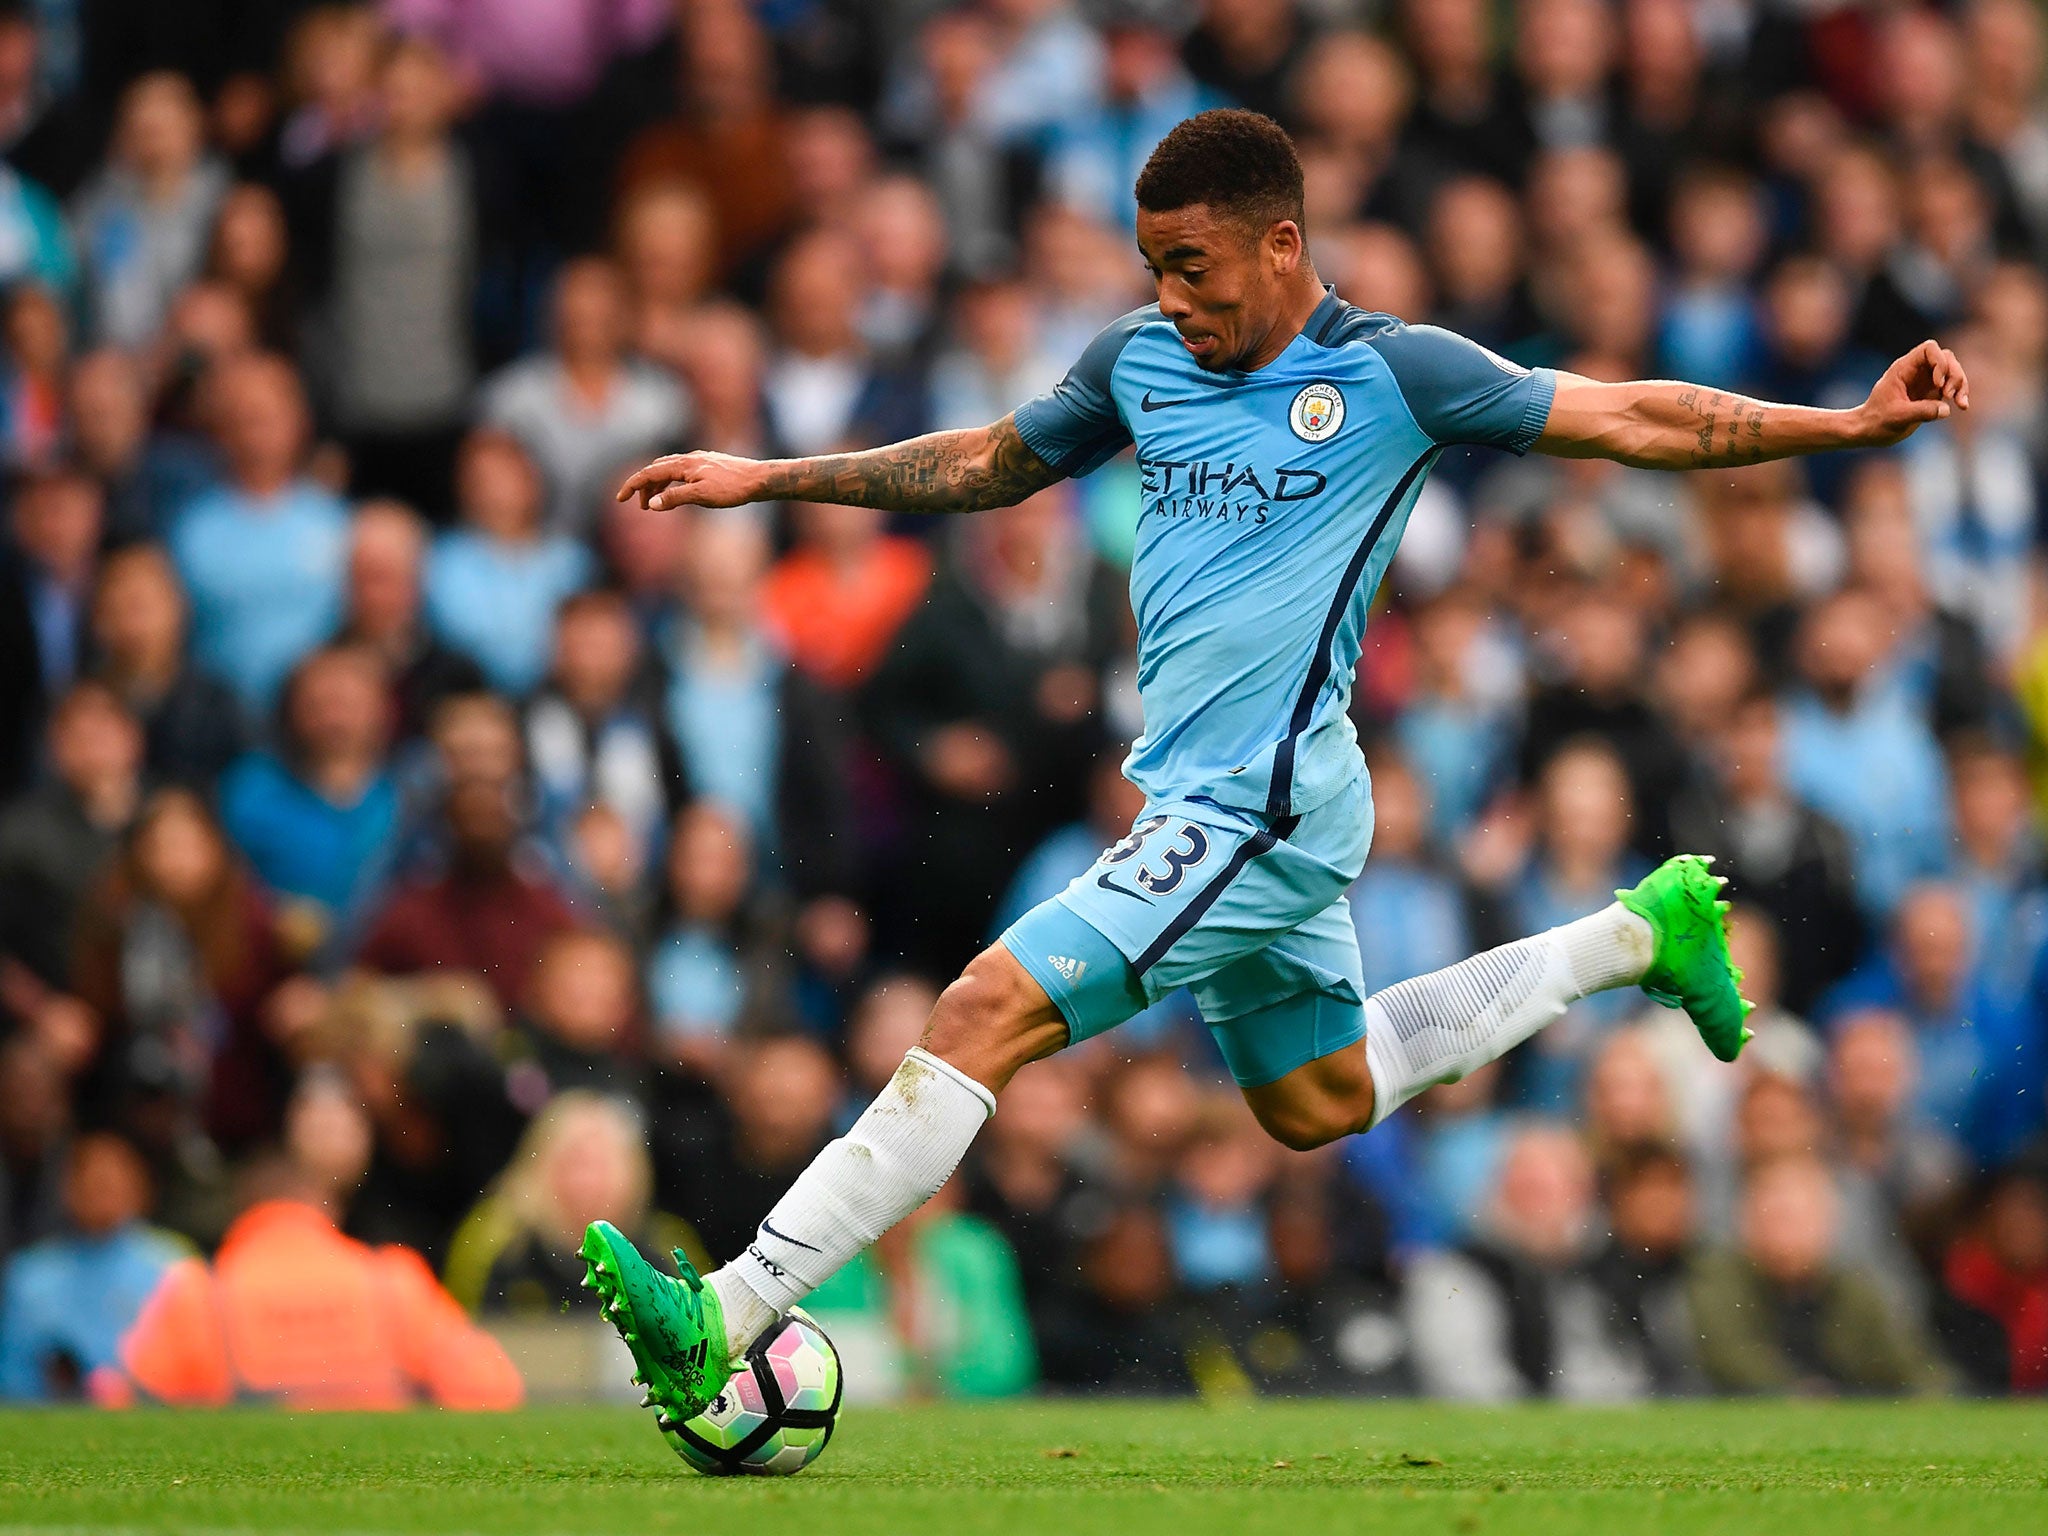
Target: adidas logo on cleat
x,y
1069,967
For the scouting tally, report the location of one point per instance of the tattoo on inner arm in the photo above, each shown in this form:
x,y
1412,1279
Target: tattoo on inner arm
x,y
1706,436
1744,443
968,471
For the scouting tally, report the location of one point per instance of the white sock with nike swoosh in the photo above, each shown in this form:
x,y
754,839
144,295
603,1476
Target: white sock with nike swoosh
x,y
902,1148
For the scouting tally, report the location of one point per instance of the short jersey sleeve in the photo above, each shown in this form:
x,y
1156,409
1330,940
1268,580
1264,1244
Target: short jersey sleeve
x,y
1076,426
1459,392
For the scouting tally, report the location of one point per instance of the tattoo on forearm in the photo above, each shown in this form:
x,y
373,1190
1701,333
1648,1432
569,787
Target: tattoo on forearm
x,y
967,471
1744,440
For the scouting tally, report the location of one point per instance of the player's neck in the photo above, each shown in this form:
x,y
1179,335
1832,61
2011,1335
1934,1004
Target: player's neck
x,y
1305,293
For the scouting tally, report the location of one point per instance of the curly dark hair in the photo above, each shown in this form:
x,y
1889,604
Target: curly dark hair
x,y
1240,163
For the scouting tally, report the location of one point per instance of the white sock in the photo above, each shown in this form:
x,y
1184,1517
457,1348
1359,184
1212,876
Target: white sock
x,y
1436,1028
904,1146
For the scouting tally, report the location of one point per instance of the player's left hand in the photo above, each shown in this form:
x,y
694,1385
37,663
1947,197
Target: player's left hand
x,y
1925,385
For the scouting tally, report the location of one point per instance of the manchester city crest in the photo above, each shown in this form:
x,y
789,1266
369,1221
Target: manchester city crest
x,y
1317,413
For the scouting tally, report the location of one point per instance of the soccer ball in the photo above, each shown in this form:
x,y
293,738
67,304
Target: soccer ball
x,y
775,1414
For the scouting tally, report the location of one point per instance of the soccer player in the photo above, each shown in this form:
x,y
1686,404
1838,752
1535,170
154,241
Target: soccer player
x,y
1282,437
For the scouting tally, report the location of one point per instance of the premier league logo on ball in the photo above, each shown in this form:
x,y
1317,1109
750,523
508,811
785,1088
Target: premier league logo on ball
x,y
1317,413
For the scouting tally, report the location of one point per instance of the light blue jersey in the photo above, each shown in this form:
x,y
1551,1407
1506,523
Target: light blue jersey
x,y
1273,501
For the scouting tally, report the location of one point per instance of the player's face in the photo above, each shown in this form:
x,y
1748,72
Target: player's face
x,y
1221,284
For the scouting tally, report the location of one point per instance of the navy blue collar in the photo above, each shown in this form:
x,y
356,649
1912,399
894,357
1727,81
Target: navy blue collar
x,y
1324,315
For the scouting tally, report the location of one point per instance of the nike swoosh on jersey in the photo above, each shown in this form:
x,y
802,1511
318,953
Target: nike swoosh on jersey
x,y
1108,884
785,1237
1148,405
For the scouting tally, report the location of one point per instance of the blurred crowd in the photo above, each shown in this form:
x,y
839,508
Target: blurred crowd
x,y
407,849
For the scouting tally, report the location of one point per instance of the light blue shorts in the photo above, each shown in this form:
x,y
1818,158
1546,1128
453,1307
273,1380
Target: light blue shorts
x,y
1247,911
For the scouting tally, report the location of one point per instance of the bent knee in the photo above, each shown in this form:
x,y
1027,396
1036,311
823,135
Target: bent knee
x,y
1303,1128
993,1019
1303,1112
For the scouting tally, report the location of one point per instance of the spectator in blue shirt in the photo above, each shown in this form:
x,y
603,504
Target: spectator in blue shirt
x,y
1938,655
66,1301
1583,811
1805,310
1857,751
1460,729
1409,909
1999,856
707,967
1976,505
1215,1205
1709,328
1979,1051
1095,160
759,738
493,584
264,553
1040,66
318,819
756,736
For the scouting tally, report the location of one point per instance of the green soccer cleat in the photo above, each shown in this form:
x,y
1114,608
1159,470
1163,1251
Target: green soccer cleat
x,y
675,1328
1681,901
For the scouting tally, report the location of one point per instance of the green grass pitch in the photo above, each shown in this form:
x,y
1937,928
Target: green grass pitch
x,y
1063,1468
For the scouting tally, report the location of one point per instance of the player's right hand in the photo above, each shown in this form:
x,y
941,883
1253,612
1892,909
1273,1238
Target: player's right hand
x,y
701,479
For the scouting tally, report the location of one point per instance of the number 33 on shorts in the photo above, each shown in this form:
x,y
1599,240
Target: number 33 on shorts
x,y
1186,851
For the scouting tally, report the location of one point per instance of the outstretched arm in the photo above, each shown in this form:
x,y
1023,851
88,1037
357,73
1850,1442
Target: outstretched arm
x,y
1663,425
966,471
